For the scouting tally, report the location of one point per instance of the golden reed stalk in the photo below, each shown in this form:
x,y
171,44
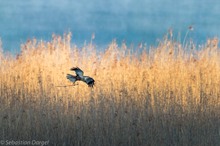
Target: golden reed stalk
x,y
164,95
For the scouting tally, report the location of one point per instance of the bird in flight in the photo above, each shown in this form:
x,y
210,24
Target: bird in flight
x,y
79,77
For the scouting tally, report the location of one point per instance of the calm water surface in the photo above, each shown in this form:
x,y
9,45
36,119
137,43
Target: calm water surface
x,y
134,21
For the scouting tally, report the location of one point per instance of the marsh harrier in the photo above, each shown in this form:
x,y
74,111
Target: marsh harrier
x,y
79,77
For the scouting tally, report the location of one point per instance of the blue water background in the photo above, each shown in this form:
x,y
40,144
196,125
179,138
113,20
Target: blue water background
x,y
134,21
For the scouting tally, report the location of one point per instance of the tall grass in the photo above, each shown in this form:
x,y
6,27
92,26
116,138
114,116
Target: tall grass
x,y
164,95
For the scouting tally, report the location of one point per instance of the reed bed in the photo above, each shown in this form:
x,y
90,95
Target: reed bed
x,y
164,95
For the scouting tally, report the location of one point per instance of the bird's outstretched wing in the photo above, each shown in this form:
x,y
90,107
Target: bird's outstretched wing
x,y
89,81
71,78
78,71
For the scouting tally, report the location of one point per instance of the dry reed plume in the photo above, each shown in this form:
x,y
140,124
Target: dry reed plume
x,y
167,95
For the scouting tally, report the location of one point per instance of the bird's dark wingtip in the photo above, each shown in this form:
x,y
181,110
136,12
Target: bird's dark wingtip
x,y
68,75
73,68
91,84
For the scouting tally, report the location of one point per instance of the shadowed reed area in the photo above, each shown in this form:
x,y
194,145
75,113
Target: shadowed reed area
x,y
164,95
